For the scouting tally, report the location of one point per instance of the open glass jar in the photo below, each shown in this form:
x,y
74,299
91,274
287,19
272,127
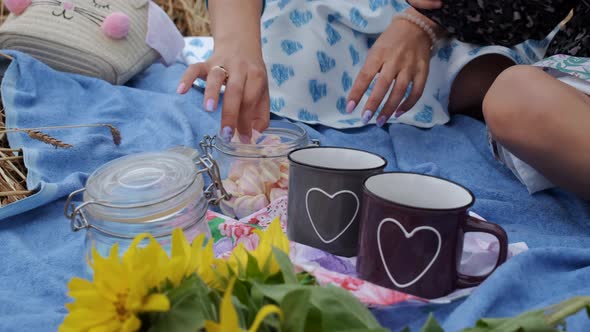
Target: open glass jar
x,y
256,173
152,192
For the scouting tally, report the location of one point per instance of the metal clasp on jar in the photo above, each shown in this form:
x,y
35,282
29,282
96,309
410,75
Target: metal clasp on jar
x,y
214,194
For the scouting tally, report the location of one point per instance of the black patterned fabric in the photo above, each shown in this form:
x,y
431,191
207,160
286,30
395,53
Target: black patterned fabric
x,y
510,22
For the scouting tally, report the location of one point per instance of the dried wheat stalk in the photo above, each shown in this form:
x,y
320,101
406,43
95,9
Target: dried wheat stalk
x,y
13,179
45,138
37,134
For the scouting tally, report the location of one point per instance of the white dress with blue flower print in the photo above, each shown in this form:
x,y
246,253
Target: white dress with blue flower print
x,y
313,50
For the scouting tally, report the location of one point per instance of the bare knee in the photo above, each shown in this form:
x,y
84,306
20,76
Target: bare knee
x,y
511,103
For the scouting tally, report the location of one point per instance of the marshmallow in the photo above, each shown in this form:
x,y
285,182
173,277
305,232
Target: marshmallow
x,y
276,193
251,182
247,205
269,171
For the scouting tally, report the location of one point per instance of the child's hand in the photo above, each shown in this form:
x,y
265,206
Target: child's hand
x,y
426,4
401,53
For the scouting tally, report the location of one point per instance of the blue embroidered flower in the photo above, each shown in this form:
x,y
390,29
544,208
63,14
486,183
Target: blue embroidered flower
x,y
281,73
333,35
283,3
305,115
190,54
425,115
290,46
346,81
341,105
357,19
376,4
317,90
300,18
266,24
326,62
277,104
444,53
334,17
264,40
354,55
196,42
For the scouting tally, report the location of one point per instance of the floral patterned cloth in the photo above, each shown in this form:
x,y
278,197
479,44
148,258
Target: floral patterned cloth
x,y
575,66
340,271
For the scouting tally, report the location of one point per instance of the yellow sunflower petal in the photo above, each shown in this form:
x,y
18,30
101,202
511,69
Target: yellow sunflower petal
x,y
198,254
112,326
228,317
132,324
92,300
156,302
176,270
262,314
84,319
211,326
180,246
76,284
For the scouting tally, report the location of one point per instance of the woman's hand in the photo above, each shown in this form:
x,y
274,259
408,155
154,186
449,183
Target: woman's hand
x,y
426,4
402,53
246,102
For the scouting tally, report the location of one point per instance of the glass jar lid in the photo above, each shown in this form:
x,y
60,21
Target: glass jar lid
x,y
277,141
143,184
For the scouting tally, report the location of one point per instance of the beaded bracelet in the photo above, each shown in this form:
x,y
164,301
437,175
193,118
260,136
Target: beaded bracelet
x,y
419,22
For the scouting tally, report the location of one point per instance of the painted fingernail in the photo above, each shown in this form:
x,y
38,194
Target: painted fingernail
x,y
381,121
244,139
350,106
227,133
209,105
181,88
367,116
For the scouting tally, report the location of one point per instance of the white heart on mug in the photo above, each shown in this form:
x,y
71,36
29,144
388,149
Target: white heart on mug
x,y
331,197
408,236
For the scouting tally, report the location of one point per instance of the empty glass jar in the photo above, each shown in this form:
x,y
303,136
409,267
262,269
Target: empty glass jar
x,y
152,192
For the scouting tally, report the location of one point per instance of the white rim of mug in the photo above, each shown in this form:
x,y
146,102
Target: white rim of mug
x,y
332,169
463,207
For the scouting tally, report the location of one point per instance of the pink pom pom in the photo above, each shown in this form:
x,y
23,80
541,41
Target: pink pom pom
x,y
116,25
17,6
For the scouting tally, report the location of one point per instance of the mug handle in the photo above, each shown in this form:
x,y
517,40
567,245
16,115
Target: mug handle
x,y
477,225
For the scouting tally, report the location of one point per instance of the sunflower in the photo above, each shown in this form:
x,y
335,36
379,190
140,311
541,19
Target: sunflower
x,y
114,298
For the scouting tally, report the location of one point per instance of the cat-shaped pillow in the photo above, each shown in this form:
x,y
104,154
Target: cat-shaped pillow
x,y
109,39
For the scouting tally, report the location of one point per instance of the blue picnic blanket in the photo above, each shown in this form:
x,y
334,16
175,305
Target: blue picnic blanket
x,y
39,253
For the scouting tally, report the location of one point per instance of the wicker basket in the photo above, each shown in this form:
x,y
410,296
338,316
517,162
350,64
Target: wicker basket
x,y
190,16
